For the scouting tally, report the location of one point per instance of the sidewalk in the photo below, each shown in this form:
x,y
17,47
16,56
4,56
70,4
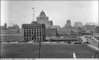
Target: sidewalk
x,y
93,43
94,39
94,47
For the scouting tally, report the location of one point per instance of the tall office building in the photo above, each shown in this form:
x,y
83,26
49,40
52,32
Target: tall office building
x,y
34,32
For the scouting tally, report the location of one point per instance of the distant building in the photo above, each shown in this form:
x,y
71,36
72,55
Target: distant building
x,y
5,26
89,27
68,28
34,31
43,19
55,26
50,32
51,23
2,30
97,29
68,23
10,33
78,24
10,29
13,27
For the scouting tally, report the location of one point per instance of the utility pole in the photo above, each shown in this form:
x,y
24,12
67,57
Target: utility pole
x,y
33,14
39,48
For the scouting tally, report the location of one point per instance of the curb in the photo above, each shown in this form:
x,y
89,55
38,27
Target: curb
x,y
94,47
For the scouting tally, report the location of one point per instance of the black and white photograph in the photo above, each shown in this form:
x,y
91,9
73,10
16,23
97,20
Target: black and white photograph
x,y
49,29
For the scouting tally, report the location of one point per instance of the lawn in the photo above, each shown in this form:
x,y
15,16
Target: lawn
x,y
48,50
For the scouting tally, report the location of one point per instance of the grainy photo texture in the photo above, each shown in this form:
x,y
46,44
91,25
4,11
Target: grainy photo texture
x,y
49,29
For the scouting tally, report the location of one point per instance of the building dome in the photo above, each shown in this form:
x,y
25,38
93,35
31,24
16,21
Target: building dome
x,y
68,21
42,14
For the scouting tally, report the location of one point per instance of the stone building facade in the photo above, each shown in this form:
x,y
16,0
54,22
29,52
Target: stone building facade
x,y
34,32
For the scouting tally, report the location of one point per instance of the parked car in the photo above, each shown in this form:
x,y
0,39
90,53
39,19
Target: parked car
x,y
86,42
69,42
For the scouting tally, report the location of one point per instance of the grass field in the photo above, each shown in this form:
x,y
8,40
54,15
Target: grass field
x,y
48,50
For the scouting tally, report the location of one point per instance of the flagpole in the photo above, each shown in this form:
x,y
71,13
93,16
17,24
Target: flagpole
x,y
33,14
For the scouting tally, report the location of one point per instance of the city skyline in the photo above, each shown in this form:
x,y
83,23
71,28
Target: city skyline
x,y
58,11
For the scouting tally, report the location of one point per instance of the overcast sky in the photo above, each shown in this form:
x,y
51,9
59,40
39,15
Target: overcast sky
x,y
19,12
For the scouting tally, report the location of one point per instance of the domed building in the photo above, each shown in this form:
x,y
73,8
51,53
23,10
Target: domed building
x,y
68,23
51,30
69,28
43,19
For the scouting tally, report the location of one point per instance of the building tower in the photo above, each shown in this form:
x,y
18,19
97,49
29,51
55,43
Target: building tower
x,y
51,23
43,19
5,26
68,23
42,14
